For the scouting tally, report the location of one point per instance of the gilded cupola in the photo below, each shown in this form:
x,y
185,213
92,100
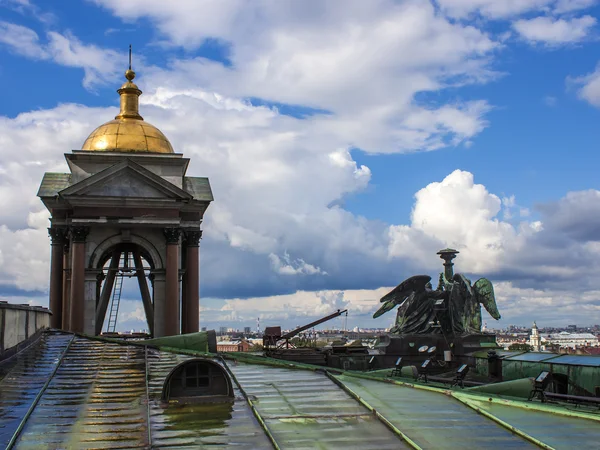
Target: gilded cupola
x,y
128,132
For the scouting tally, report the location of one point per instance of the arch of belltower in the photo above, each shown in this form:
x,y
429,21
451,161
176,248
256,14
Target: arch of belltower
x,y
126,206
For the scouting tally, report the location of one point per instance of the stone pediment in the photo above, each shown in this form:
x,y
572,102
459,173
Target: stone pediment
x,y
126,179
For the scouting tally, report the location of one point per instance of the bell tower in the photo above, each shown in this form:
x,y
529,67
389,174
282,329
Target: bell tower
x,y
126,208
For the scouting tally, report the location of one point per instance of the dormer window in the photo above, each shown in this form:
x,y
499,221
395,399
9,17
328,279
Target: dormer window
x,y
198,380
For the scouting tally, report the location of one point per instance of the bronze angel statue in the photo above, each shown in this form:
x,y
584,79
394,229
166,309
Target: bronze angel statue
x,y
453,308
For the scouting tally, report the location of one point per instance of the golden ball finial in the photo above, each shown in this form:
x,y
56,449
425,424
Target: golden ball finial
x,y
130,74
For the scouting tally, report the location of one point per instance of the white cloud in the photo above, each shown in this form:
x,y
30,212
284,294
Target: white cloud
x,y
549,307
588,86
22,40
495,9
275,177
286,266
551,31
363,64
301,306
460,214
566,6
99,65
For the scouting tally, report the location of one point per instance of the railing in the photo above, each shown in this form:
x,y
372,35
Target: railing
x,y
19,325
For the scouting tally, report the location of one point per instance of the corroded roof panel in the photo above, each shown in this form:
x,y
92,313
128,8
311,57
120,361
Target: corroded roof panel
x,y
19,388
53,183
199,187
105,395
67,391
555,430
432,420
303,409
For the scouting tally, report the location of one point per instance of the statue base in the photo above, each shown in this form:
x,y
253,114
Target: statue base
x,y
449,351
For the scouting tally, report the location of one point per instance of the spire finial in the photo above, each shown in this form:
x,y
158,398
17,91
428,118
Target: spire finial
x,y
129,93
130,74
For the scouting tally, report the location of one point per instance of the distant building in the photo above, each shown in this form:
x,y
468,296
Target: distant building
x,y
247,330
535,340
222,330
572,340
233,346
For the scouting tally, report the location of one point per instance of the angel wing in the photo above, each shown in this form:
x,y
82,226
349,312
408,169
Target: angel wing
x,y
484,292
464,281
400,293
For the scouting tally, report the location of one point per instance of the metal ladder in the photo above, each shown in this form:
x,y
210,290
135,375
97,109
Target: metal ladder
x,y
114,305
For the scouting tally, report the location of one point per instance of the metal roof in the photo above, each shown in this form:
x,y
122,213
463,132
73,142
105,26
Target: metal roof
x,y
199,187
577,360
531,356
303,409
554,430
53,183
68,391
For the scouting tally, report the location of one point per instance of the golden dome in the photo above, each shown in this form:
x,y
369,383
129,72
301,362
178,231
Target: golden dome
x,y
127,135
128,132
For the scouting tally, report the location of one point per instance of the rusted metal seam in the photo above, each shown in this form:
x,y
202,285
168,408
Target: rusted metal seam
x,y
315,416
377,414
530,406
37,398
437,389
504,424
252,407
147,399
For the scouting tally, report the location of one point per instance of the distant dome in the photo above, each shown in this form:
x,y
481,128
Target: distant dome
x,y
128,132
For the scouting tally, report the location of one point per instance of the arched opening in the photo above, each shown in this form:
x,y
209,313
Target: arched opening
x,y
198,380
123,265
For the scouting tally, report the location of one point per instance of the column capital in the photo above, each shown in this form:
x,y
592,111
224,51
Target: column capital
x,y
193,237
79,233
58,235
172,235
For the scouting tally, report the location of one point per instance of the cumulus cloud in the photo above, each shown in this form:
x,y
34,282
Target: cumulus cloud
x,y
551,31
493,9
461,214
588,86
363,64
276,240
566,6
286,266
99,65
301,307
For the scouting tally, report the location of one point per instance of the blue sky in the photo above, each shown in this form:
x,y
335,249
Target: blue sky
x,y
344,145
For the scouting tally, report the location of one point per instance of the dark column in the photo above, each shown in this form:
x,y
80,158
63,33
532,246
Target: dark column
x,y
172,323
107,290
192,282
144,291
78,235
66,291
56,276
183,277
